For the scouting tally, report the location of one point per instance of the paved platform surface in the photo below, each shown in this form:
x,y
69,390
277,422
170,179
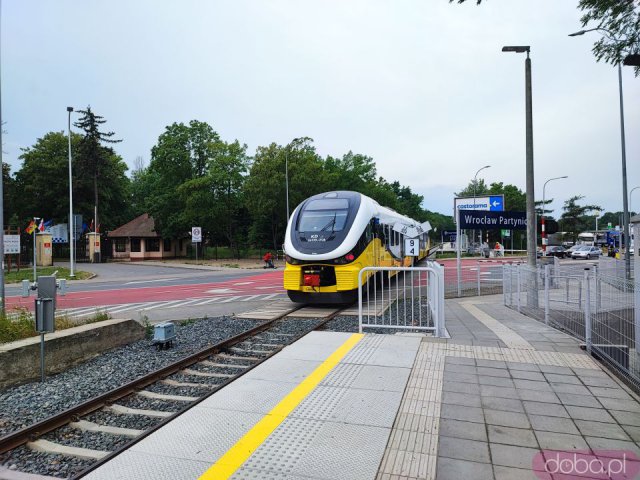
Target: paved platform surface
x,y
479,405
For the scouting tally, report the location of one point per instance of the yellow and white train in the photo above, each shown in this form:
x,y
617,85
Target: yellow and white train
x,y
332,236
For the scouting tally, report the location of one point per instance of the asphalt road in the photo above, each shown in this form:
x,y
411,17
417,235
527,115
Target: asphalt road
x,y
161,293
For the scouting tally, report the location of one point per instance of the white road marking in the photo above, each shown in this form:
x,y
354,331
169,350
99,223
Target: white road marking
x,y
230,299
221,290
244,283
150,281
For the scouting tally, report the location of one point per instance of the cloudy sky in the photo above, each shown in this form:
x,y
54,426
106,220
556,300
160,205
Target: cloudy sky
x,y
419,85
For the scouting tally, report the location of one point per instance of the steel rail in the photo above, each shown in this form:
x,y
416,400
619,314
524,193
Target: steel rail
x,y
165,421
31,432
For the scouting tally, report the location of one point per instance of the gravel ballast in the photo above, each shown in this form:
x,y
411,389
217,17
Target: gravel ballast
x,y
23,405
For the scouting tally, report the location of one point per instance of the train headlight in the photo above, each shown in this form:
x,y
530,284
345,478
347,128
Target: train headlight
x,y
348,258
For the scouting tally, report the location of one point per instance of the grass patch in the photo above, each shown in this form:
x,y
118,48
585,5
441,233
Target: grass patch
x,y
20,323
27,274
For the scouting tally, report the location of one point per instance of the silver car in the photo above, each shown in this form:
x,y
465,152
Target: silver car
x,y
586,252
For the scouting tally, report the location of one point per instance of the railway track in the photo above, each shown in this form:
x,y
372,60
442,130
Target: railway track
x,y
121,417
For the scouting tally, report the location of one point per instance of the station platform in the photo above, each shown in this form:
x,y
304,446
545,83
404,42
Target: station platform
x,y
480,405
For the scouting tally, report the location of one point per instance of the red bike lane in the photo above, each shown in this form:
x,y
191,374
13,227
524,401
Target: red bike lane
x,y
270,282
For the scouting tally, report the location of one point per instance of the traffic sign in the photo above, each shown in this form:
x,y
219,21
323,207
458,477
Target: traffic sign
x,y
505,233
491,203
11,244
196,234
493,220
411,247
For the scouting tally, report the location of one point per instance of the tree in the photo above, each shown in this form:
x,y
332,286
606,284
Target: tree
x,y
353,172
42,185
475,188
181,155
43,178
265,187
574,215
621,18
93,158
216,198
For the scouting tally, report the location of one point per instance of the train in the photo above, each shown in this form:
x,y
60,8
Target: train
x,y
331,236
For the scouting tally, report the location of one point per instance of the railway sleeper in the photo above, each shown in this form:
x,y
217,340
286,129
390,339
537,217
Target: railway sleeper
x,y
209,363
163,396
175,383
47,446
121,409
197,373
236,357
86,426
240,351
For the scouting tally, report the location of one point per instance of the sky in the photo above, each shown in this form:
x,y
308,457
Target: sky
x,y
419,85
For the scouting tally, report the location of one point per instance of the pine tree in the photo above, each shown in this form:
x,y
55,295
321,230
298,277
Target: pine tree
x,y
93,156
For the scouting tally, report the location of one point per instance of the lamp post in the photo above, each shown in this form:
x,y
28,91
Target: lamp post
x,y
72,229
630,204
531,211
474,192
625,205
544,236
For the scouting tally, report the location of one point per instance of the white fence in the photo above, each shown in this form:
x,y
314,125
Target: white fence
x,y
593,303
402,298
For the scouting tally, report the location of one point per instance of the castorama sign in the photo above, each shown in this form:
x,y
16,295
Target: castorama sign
x,y
492,203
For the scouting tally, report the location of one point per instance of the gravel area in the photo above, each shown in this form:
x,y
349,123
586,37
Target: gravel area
x,y
138,422
74,437
23,405
28,461
184,378
184,391
342,323
144,403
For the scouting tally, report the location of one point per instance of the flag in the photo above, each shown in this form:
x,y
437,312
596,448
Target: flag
x,y
48,223
91,226
84,227
31,227
41,226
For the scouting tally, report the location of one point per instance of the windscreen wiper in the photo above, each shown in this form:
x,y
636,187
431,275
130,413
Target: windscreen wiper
x,y
332,224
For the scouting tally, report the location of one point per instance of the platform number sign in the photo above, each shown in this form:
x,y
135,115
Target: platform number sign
x,y
411,247
196,234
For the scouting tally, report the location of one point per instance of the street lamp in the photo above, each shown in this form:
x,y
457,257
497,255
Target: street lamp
x,y
71,225
531,211
625,205
544,236
474,193
630,207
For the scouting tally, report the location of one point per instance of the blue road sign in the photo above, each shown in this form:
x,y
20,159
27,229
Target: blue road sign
x,y
495,203
493,220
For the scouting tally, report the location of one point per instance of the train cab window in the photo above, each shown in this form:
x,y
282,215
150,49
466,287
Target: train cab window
x,y
324,215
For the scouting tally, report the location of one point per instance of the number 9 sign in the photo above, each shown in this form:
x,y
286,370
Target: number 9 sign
x,y
411,247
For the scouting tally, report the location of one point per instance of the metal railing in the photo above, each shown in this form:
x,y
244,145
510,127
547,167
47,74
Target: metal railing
x,y
481,278
402,298
592,303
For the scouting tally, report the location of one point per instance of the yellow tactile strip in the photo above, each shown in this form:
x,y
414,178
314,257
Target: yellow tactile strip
x,y
243,448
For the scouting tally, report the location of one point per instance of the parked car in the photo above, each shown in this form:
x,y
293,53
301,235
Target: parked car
x,y
556,251
586,253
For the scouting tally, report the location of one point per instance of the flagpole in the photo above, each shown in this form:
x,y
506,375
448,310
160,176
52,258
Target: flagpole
x,y
35,232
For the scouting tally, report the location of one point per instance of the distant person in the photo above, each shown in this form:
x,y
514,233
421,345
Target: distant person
x,y
485,249
498,249
268,260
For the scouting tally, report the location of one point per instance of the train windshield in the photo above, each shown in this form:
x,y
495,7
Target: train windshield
x,y
324,215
